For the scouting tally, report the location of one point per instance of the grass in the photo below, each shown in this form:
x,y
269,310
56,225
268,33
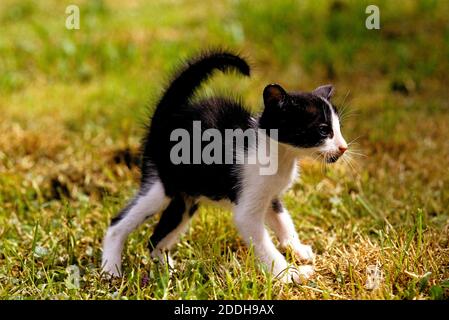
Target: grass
x,y
73,104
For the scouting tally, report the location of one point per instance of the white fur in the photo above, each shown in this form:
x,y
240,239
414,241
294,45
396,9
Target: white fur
x,y
148,204
334,144
161,251
282,225
253,209
250,213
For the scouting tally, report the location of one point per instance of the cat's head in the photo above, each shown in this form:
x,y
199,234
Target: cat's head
x,y
306,121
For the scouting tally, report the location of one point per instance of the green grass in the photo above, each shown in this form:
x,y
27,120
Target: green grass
x,y
72,108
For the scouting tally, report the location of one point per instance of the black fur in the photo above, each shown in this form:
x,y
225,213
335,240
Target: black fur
x,y
176,110
303,120
193,210
170,219
123,212
276,205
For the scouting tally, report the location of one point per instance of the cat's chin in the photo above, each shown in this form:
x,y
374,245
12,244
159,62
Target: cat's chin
x,y
331,158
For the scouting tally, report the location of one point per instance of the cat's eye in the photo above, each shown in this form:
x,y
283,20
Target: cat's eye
x,y
324,130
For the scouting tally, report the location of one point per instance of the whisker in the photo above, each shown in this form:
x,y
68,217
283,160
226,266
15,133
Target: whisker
x,y
351,147
346,115
356,153
325,163
351,170
343,106
322,164
346,112
346,96
354,140
345,160
316,157
351,163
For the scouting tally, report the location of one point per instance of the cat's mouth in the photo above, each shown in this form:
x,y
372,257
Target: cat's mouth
x,y
331,157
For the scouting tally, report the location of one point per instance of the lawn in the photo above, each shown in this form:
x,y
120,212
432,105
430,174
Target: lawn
x,y
73,104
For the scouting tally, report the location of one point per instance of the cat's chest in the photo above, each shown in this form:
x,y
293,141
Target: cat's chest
x,y
271,185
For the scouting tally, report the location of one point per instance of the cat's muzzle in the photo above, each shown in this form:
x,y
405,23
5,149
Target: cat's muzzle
x,y
332,157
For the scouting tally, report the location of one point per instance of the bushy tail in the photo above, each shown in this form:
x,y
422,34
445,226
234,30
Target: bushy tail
x,y
197,70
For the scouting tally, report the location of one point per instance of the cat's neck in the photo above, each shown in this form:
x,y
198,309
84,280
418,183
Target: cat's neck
x,y
283,156
287,153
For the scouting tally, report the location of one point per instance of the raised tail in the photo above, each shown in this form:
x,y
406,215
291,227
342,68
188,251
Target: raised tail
x,y
197,70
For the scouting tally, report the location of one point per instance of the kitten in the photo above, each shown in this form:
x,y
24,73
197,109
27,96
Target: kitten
x,y
299,124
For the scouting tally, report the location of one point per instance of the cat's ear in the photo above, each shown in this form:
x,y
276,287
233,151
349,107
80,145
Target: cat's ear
x,y
326,91
273,95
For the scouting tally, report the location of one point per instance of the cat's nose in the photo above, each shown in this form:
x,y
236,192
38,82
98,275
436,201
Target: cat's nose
x,y
342,149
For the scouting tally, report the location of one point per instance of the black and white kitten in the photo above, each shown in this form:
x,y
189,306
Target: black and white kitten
x,y
306,124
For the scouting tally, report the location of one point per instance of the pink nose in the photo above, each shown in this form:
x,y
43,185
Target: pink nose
x,y
342,149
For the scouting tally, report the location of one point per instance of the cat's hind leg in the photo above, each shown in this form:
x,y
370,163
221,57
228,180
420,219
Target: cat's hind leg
x,y
173,222
150,200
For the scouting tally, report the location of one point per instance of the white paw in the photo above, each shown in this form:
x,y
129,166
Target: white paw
x,y
304,252
298,275
305,272
111,269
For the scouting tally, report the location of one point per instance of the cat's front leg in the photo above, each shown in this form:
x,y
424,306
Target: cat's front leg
x,y
249,216
281,223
